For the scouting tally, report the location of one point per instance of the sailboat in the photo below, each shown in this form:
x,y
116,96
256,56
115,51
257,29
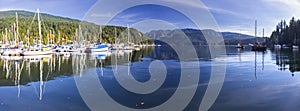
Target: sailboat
x,y
80,47
258,46
99,46
127,46
13,50
277,46
239,45
37,49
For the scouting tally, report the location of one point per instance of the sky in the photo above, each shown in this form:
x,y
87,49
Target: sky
x,y
230,15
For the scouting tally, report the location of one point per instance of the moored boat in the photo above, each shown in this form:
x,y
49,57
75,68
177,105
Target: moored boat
x,y
258,47
97,48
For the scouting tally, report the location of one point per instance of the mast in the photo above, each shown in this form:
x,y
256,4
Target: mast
x,y
50,33
115,37
128,34
15,33
263,34
28,38
17,29
39,23
100,33
256,30
80,39
76,37
240,37
6,34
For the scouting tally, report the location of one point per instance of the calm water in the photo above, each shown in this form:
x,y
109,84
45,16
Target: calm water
x,y
254,80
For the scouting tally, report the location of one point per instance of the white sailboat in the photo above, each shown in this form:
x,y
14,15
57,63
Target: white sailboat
x,y
277,46
99,47
37,49
13,50
128,46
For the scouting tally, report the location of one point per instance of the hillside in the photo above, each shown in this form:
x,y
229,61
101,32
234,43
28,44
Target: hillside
x,y
62,29
27,14
197,38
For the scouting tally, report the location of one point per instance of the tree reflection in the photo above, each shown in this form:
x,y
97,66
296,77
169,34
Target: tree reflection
x,y
287,60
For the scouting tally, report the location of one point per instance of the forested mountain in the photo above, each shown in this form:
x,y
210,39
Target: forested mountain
x,y
61,29
197,38
286,33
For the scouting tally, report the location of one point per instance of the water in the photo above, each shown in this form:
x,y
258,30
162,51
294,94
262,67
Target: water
x,y
254,80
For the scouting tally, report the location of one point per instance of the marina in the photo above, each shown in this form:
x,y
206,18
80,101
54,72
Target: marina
x,y
161,55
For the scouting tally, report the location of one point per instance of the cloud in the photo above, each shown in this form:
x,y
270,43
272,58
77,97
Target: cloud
x,y
191,3
128,18
288,6
292,3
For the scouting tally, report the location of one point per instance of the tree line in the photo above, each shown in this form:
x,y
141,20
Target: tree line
x,y
64,30
286,33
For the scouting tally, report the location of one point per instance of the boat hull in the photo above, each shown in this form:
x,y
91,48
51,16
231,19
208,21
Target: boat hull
x,y
34,53
259,48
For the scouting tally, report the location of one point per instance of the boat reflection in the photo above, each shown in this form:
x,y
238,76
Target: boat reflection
x,y
35,71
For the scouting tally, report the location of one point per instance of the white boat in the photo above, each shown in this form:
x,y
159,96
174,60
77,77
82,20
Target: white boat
x,y
295,47
35,51
284,46
277,46
12,58
98,48
12,52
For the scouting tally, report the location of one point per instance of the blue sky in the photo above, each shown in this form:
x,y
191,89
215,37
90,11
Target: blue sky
x,y
230,15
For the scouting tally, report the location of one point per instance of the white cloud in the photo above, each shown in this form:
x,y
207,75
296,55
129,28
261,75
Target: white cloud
x,y
191,3
288,6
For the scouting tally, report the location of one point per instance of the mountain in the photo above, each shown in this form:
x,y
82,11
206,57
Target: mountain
x,y
197,38
233,35
27,14
62,29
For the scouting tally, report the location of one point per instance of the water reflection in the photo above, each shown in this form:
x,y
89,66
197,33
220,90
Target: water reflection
x,y
22,71
287,60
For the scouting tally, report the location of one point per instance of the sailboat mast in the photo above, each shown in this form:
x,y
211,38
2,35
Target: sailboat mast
x,y
100,33
76,35
39,23
15,33
115,36
256,30
128,34
263,33
50,33
17,29
6,34
28,38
